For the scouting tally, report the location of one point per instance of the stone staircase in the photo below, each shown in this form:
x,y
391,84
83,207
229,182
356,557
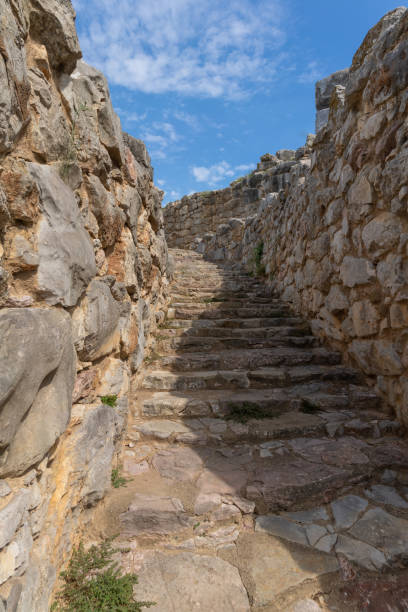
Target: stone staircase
x,y
264,474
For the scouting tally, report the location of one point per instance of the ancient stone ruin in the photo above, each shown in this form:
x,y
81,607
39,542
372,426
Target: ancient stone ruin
x,y
249,387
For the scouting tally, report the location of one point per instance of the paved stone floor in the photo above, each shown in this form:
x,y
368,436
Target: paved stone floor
x,y
304,509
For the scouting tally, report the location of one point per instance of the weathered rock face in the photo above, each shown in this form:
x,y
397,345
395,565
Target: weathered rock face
x,y
333,222
83,276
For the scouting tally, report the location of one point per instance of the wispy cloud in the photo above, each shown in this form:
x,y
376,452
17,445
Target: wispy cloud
x,y
311,73
161,137
244,167
208,49
212,175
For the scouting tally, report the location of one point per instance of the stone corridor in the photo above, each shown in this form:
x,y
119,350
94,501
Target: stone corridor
x,y
264,475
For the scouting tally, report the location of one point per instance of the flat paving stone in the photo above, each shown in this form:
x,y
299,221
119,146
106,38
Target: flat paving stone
x,y
315,533
383,531
361,553
384,494
326,543
185,582
270,570
309,516
281,527
346,510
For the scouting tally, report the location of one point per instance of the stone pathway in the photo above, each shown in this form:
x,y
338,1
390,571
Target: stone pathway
x,y
303,509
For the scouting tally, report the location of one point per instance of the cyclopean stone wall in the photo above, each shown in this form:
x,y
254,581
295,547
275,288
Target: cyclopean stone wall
x,y
336,235
189,219
83,274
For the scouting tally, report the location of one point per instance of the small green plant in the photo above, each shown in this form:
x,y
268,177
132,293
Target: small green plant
x,y
258,254
93,581
196,526
309,407
117,479
109,400
242,413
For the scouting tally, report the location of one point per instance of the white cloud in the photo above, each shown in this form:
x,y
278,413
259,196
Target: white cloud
x,y
212,174
311,74
161,137
244,167
208,49
174,195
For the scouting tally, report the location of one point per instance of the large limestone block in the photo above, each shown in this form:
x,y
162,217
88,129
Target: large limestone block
x,y
187,582
88,87
91,451
326,86
37,373
95,323
67,260
382,234
110,217
52,23
50,134
15,88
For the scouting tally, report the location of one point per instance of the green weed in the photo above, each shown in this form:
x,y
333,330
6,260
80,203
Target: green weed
x,y
93,581
109,400
117,479
242,413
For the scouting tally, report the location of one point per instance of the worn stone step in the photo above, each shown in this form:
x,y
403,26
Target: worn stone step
x,y
277,423
326,396
225,304
163,380
265,377
191,294
229,286
235,322
248,359
204,343
212,431
281,474
237,313
246,333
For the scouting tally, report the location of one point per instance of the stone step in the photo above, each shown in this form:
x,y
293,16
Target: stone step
x,y
204,343
246,333
253,423
224,304
232,313
162,380
286,474
229,286
219,298
248,359
310,399
235,323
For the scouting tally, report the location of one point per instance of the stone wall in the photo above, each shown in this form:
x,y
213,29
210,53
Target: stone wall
x,y
335,237
83,275
188,220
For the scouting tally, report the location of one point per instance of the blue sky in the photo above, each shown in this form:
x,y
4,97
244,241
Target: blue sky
x,y
210,86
